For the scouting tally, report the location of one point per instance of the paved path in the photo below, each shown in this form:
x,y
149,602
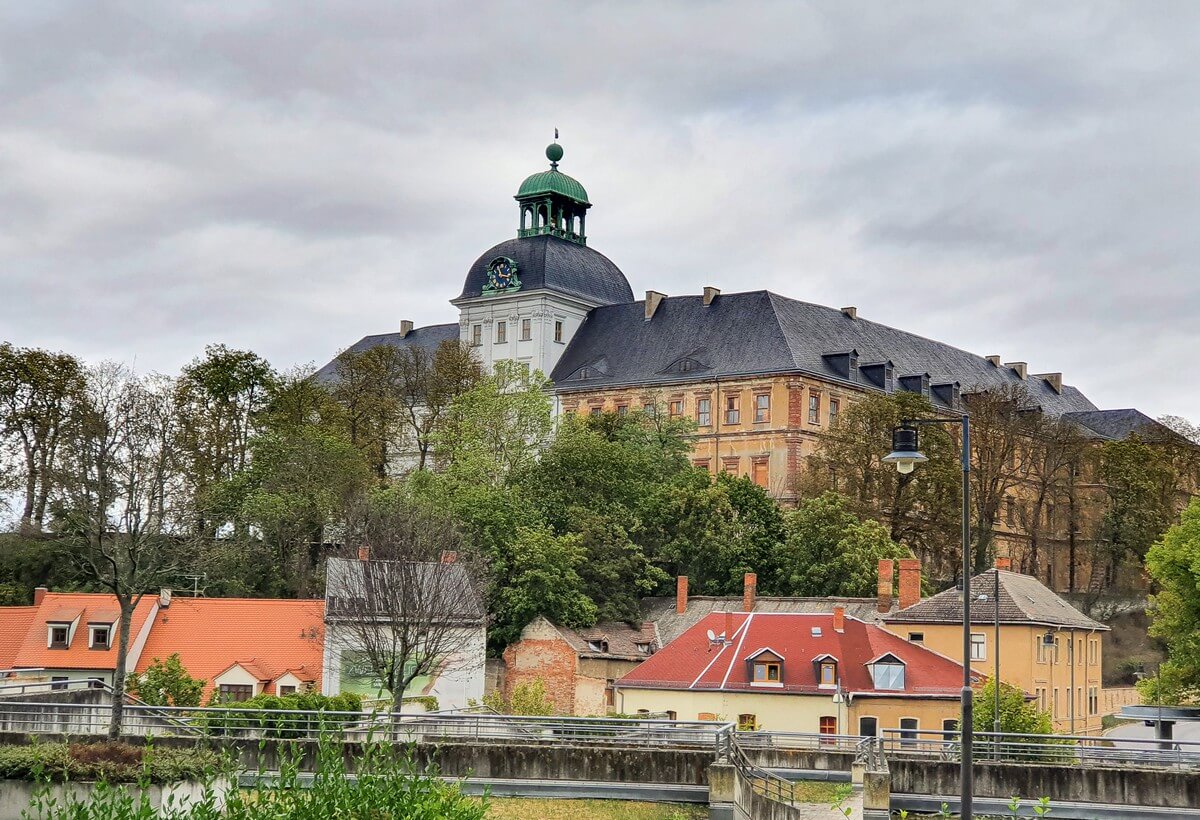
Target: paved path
x,y
1183,731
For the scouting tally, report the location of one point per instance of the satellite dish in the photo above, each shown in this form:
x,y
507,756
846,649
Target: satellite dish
x,y
712,636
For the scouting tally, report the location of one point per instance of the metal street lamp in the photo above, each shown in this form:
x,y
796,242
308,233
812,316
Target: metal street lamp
x,y
906,453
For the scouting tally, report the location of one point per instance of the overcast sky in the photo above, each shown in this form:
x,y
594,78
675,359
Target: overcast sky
x,y
1012,178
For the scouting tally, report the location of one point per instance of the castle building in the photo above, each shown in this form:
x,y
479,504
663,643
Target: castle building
x,y
762,375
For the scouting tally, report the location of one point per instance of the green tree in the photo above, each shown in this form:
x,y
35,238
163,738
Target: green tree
x,y
428,384
1017,714
366,385
527,699
1140,485
1174,565
166,683
923,509
40,392
829,551
542,579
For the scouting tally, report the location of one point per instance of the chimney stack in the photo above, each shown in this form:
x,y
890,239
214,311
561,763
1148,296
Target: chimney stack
x,y
406,327
910,582
1052,379
710,294
681,594
994,360
449,556
749,589
364,553
164,598
39,593
839,619
851,311
653,300
1020,368
887,570
1004,562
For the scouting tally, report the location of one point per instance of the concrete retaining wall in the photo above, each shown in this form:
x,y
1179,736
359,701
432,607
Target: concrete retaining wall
x,y
1128,787
16,796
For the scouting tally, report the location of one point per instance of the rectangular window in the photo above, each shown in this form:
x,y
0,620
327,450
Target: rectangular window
x,y
501,332
701,464
978,646
829,674
762,408
1093,700
622,409
704,412
98,637
287,690
730,466
747,722
814,408
596,411
476,335
760,472
235,692
868,726
58,636
675,408
558,331
732,410
1094,651
1010,512
95,683
828,725
58,681
649,409
834,406
526,330
916,637
1055,701
766,673
909,729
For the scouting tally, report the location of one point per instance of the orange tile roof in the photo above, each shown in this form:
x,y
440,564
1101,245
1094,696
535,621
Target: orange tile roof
x,y
14,626
212,634
66,606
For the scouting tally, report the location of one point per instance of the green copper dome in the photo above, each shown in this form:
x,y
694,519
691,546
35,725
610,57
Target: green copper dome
x,y
552,182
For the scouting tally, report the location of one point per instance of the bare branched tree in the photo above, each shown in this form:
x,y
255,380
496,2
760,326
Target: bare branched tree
x,y
117,489
409,603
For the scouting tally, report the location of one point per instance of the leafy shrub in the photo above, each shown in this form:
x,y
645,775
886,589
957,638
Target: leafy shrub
x,y
527,699
166,683
109,762
277,716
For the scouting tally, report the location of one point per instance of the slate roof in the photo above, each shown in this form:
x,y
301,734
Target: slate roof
x,y
549,263
428,337
267,636
759,332
670,624
1023,600
693,662
1119,424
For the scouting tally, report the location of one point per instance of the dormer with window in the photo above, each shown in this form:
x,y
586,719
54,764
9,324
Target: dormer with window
x,y
765,668
58,635
843,363
826,669
100,636
597,645
878,374
887,672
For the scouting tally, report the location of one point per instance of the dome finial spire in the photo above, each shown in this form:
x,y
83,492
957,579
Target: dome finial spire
x,y
554,152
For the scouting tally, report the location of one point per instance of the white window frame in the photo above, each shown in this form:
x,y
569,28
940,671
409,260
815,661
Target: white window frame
x,y
979,647
92,635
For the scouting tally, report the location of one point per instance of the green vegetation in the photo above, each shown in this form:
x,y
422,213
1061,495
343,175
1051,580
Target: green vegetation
x,y
527,699
1020,717
166,683
1174,564
515,808
276,714
106,761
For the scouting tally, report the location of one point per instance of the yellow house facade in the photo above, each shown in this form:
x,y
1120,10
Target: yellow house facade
x,y
1045,646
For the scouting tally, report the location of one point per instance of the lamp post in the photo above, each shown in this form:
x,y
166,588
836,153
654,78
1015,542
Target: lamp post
x,y
906,454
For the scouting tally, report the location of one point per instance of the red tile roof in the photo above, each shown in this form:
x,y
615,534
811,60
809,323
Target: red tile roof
x,y
267,636
64,607
691,661
14,626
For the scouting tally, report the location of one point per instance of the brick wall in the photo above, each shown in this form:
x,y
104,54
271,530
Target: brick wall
x,y
542,653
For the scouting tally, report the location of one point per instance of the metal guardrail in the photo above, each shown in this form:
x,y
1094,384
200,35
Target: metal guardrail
x,y
1073,750
799,741
231,722
43,687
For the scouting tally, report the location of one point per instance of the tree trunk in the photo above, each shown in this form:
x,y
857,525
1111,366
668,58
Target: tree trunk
x,y
30,496
118,704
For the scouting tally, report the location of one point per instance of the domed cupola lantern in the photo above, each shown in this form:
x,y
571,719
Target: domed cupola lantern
x,y
553,203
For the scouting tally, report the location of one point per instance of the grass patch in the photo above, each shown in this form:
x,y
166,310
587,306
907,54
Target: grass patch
x,y
521,808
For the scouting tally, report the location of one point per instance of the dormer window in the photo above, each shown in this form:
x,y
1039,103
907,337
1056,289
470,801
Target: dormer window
x,y
598,646
99,636
887,672
59,636
644,648
768,671
765,668
828,673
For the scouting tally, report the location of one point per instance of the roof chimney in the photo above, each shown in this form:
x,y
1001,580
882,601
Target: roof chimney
x,y
1004,563
994,360
887,570
851,311
681,594
910,582
839,619
1052,379
364,553
406,327
729,626
1020,368
39,593
653,300
710,294
749,588
449,556
164,598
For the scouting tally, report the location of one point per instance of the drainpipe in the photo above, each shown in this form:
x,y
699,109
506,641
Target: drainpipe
x,y
1071,660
